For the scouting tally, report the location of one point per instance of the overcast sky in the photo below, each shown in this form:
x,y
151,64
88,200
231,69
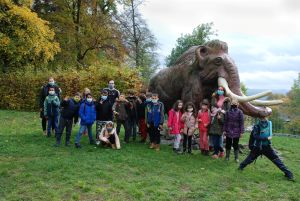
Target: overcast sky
x,y
263,35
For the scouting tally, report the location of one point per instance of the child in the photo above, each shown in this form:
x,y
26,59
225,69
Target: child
x,y
132,115
141,106
104,112
155,120
233,129
175,124
260,144
189,120
87,114
120,108
108,136
51,110
69,112
215,130
204,120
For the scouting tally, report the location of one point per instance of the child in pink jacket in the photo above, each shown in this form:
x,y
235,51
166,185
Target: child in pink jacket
x,y
175,124
204,121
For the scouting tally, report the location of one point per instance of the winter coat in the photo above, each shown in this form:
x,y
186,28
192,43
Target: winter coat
x,y
216,125
260,133
104,110
87,113
51,106
70,109
104,135
155,113
141,108
189,124
121,107
204,120
45,92
174,121
234,123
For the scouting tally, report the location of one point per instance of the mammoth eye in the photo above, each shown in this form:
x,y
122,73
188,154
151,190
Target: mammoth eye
x,y
218,61
203,50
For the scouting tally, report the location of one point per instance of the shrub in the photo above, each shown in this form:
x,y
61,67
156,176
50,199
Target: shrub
x,y
20,91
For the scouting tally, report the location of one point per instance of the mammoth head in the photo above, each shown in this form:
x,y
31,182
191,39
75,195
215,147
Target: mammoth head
x,y
215,65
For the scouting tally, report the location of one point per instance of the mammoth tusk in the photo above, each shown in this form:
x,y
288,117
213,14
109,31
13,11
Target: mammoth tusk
x,y
223,83
265,102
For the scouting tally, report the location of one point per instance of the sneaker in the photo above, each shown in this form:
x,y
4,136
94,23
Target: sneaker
x,y
77,145
152,146
290,177
215,156
157,147
44,133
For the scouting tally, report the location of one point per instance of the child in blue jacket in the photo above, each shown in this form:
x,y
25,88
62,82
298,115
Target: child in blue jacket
x,y
87,114
155,120
260,144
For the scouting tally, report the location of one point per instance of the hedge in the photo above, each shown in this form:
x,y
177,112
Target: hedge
x,y
20,91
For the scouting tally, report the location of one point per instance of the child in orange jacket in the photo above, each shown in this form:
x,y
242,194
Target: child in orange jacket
x,y
204,121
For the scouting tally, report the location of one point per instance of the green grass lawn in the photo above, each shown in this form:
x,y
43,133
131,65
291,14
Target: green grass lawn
x,y
31,169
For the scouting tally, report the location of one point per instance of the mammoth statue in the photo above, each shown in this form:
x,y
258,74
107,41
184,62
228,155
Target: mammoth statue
x,y
199,72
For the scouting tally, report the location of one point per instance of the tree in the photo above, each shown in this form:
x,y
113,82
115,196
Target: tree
x,y
199,36
85,29
140,42
293,108
25,39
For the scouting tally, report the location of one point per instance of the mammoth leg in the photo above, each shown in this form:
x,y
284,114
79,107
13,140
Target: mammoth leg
x,y
192,92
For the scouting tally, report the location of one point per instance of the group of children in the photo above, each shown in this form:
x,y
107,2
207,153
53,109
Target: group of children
x,y
216,120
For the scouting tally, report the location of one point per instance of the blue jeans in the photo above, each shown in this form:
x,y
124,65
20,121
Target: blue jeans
x,y
81,131
52,123
217,139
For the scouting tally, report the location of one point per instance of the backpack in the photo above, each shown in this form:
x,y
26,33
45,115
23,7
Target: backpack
x,y
255,131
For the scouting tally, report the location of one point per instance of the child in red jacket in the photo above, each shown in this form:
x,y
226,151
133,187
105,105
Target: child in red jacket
x,y
204,121
175,124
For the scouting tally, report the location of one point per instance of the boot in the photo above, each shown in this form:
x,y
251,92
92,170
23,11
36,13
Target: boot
x,y
236,156
221,154
284,169
227,154
190,151
152,145
157,147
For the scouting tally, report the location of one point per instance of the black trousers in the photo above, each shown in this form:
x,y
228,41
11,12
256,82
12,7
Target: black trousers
x,y
119,124
44,121
154,134
269,152
187,140
62,124
234,142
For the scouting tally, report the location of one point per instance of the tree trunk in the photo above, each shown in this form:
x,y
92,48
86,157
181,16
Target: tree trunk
x,y
135,38
77,30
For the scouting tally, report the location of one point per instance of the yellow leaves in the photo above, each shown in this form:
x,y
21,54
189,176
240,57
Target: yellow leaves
x,y
28,38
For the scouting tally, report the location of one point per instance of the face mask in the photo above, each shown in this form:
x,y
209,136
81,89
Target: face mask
x,y
111,86
109,129
233,106
179,107
76,99
148,100
89,100
220,92
104,97
51,83
190,109
51,92
154,101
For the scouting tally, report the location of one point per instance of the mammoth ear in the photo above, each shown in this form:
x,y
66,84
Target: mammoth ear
x,y
201,52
